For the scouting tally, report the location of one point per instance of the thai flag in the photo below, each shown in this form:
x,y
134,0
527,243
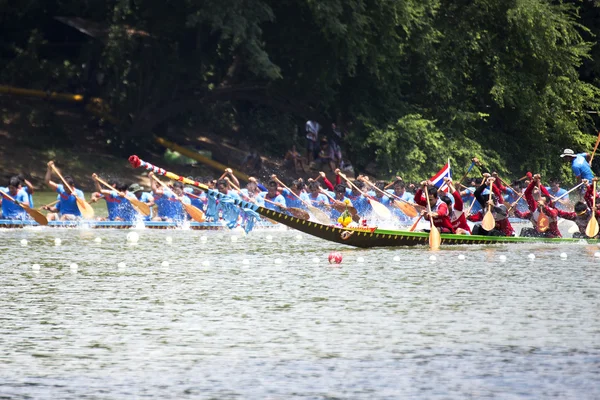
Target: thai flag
x,y
438,179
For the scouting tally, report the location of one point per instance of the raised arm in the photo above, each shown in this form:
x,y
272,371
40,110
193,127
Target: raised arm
x,y
48,177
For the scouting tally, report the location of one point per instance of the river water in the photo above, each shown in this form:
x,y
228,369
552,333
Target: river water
x,y
264,316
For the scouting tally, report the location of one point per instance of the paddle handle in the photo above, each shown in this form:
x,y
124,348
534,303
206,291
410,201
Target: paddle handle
x,y
276,179
414,226
164,185
106,184
57,172
595,148
49,204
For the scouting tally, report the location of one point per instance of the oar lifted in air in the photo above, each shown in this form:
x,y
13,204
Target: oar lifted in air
x,y
318,214
84,207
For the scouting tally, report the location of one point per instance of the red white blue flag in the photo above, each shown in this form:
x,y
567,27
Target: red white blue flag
x,y
438,179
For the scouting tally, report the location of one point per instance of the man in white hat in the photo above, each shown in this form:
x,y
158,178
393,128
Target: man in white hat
x,y
579,164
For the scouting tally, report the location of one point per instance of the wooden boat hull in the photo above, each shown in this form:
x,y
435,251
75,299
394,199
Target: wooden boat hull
x,y
375,237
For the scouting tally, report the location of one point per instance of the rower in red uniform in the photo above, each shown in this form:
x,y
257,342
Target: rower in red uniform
x,y
457,215
538,200
439,209
502,225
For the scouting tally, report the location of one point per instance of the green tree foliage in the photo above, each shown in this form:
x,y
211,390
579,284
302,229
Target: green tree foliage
x,y
413,82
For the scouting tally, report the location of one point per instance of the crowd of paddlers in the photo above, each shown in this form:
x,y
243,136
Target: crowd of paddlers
x,y
486,201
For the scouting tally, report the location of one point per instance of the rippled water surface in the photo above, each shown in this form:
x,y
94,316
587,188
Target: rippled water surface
x,y
255,317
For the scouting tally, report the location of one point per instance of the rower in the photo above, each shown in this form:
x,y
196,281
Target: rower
x,y
581,216
68,209
169,202
439,209
119,208
316,198
538,200
340,195
273,196
143,196
499,211
11,210
196,195
457,216
358,198
295,196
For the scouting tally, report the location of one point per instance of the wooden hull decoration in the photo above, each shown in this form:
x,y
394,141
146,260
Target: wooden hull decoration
x,y
374,237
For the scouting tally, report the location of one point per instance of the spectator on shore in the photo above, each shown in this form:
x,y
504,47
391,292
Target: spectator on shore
x,y
312,137
252,162
326,157
294,159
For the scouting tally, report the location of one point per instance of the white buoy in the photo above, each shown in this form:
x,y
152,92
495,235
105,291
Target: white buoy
x,y
502,258
269,238
121,266
133,237
278,261
245,261
597,254
360,259
23,242
164,264
315,260
234,239
73,267
531,256
57,242
169,239
461,257
563,255
205,263
432,258
35,267
396,258
98,240
203,238
298,238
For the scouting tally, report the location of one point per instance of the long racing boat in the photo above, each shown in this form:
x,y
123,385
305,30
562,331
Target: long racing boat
x,y
11,223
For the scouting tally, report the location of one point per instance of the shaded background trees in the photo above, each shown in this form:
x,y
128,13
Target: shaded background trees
x,y
413,82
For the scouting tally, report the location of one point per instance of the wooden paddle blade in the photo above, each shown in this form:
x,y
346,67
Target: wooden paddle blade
x,y
87,212
592,227
434,238
35,214
414,226
488,222
299,213
543,222
140,206
406,208
196,214
319,215
381,210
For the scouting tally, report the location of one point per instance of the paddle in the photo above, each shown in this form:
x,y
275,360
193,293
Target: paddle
x,y
379,209
35,214
434,235
196,214
414,226
84,207
340,206
139,205
402,204
44,207
592,227
296,212
318,214
595,148
489,222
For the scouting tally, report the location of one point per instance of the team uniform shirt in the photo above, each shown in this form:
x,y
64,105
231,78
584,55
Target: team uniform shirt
x,y
457,216
318,201
278,198
335,214
258,200
499,212
119,207
359,201
170,207
442,221
29,195
11,210
581,168
68,202
147,198
292,201
197,200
